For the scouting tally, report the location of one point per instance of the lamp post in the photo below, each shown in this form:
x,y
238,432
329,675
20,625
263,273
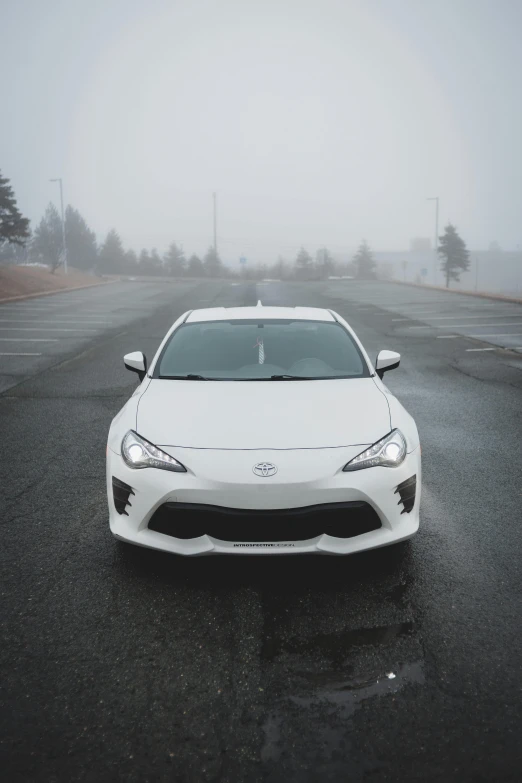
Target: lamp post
x,y
436,200
214,198
59,179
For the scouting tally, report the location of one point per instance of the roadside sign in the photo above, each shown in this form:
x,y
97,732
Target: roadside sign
x,y
242,260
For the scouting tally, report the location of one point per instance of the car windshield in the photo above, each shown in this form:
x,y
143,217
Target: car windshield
x,y
261,350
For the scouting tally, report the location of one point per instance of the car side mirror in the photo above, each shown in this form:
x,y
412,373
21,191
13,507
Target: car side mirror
x,y
386,360
136,362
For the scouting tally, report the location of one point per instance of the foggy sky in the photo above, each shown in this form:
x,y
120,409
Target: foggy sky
x,y
316,121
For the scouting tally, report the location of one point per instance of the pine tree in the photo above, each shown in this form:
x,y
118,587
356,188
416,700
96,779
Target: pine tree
x,y
12,253
324,262
212,263
111,258
304,259
304,265
82,251
155,262
131,261
195,267
144,263
13,227
454,254
47,242
174,260
365,262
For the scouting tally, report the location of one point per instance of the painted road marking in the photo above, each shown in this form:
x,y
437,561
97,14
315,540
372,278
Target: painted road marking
x,y
39,329
53,321
480,349
20,354
29,339
506,334
458,316
447,336
476,317
474,326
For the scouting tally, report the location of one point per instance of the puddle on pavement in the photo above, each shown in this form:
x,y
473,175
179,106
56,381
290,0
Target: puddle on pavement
x,y
348,693
340,697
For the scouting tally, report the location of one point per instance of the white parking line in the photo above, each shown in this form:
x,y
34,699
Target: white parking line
x,y
20,354
476,317
447,336
40,329
495,334
28,340
53,321
457,316
480,349
31,308
472,326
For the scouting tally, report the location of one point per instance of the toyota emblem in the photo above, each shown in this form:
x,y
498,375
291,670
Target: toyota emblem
x,y
264,469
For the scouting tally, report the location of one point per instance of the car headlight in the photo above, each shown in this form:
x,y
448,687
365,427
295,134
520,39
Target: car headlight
x,y
139,453
388,453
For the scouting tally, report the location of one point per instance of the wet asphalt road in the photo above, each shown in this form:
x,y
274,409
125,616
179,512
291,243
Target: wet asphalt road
x,y
120,664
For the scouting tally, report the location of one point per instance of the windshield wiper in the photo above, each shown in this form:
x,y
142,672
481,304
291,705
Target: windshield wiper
x,y
290,378
185,378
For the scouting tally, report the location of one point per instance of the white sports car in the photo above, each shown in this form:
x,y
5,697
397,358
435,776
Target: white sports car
x,y
263,430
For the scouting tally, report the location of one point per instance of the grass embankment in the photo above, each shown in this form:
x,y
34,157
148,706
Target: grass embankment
x,y
28,281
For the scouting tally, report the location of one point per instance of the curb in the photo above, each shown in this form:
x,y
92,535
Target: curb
x,y
480,294
54,291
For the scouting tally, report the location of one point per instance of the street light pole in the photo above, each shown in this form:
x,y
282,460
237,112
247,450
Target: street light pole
x,y
215,222
436,200
59,179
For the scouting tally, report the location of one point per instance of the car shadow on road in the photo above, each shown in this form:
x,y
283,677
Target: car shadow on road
x,y
286,573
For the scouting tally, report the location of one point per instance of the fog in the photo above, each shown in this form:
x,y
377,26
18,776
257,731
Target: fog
x,y
315,122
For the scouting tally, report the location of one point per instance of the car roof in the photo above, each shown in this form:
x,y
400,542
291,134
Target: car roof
x,y
260,312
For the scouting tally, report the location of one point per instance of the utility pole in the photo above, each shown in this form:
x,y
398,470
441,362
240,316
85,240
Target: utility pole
x,y
436,255
214,197
59,179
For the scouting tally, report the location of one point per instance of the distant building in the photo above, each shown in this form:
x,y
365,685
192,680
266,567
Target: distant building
x,y
420,245
493,272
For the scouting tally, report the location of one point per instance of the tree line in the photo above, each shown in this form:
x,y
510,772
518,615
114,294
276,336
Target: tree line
x,y
45,245
111,257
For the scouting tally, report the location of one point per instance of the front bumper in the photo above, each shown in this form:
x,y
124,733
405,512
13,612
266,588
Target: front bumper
x,y
225,479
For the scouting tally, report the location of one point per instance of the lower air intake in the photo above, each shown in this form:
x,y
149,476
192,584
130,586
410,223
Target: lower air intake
x,y
121,493
342,520
406,492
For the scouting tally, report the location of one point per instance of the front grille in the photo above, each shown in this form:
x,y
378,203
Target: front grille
x,y
121,493
406,492
187,520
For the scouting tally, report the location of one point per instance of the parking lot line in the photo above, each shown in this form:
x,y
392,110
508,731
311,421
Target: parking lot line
x,y
476,317
495,334
472,326
29,339
480,349
52,321
40,329
20,354
447,336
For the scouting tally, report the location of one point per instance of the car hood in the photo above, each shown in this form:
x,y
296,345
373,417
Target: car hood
x,y
263,414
